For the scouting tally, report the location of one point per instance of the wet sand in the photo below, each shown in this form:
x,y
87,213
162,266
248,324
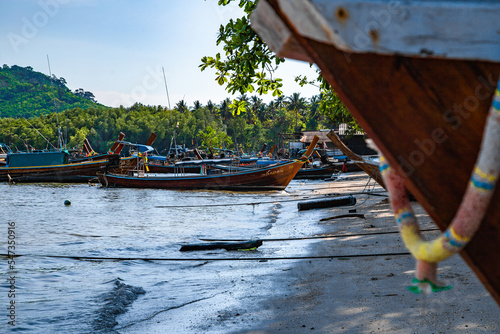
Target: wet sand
x,y
341,294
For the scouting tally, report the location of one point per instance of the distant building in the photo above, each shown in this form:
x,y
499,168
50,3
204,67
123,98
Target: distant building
x,y
355,142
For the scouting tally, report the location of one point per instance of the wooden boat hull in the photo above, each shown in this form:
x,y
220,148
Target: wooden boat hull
x,y
270,178
368,167
322,172
426,115
73,172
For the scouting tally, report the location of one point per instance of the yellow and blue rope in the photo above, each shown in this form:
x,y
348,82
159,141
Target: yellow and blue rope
x,y
469,215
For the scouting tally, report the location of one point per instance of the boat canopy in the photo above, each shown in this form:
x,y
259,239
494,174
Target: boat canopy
x,y
37,159
157,157
141,148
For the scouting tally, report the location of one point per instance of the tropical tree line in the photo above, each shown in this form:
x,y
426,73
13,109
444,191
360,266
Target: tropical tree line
x,y
199,125
247,66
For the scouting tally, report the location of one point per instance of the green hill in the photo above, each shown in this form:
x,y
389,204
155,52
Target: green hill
x,y
27,93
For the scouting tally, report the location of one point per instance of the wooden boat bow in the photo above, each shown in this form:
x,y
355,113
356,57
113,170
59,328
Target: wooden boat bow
x,y
425,112
369,168
310,149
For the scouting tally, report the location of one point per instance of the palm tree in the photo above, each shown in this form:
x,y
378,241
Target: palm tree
x,y
210,106
197,105
280,101
181,106
256,102
296,104
314,117
225,113
258,108
271,109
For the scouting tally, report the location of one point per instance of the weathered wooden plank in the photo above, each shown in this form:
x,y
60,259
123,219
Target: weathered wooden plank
x,y
278,37
445,28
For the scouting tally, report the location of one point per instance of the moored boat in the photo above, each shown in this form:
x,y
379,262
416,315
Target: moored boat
x,y
317,172
269,178
89,154
52,167
274,177
62,165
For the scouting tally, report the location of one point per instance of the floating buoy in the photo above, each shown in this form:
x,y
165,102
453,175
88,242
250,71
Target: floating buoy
x,y
66,202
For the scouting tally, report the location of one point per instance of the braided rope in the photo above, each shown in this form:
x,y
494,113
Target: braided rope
x,y
470,213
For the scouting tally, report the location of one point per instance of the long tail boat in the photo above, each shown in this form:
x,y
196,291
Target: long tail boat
x,y
419,77
52,167
274,177
317,172
59,166
368,166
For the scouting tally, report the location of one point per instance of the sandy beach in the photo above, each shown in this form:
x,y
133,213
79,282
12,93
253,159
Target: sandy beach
x,y
368,294
334,289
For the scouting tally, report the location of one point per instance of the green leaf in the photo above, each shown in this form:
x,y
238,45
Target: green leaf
x,y
277,92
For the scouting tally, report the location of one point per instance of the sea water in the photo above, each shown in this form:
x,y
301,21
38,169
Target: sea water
x,y
110,260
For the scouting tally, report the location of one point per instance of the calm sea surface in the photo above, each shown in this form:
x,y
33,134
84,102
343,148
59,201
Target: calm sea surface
x,y
67,295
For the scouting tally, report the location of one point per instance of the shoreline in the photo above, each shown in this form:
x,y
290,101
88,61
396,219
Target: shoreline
x,y
339,295
369,294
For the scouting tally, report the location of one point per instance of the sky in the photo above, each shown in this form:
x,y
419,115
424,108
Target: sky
x,y
117,49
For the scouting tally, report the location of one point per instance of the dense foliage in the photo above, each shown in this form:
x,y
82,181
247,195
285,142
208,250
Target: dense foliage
x,y
198,126
247,62
249,65
27,93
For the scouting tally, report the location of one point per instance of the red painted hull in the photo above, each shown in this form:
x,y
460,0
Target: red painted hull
x,y
270,178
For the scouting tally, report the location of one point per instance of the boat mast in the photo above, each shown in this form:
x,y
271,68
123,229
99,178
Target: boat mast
x,y
40,134
170,110
166,88
59,135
